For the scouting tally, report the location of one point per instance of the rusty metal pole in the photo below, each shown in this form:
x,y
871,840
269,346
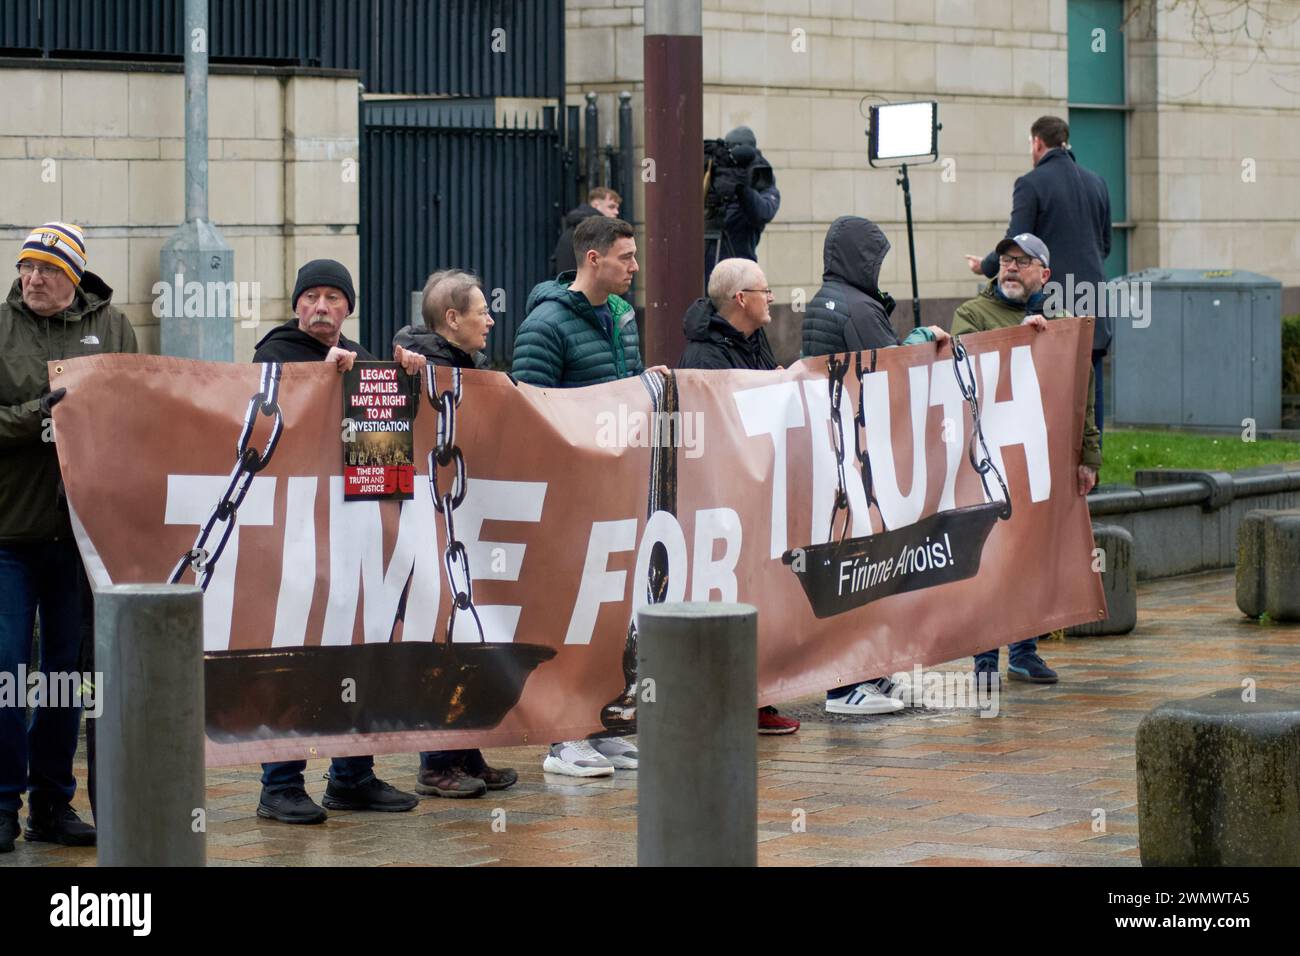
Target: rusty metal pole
x,y
674,199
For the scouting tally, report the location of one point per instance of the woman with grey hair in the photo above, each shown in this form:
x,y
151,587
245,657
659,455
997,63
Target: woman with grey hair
x,y
455,330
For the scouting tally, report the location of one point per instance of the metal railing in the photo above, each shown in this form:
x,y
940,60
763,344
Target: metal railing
x,y
449,47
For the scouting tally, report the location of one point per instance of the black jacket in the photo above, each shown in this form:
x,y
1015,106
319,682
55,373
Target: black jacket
x,y
1068,207
849,313
439,351
288,343
714,343
743,224
563,258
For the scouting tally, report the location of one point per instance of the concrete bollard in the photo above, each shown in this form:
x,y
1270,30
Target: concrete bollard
x,y
1219,781
697,677
1268,564
1118,581
150,800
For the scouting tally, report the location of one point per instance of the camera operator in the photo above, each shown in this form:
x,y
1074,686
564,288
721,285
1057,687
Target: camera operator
x,y
742,198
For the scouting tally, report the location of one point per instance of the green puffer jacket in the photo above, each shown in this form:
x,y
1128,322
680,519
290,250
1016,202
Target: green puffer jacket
x,y
561,343
989,311
31,508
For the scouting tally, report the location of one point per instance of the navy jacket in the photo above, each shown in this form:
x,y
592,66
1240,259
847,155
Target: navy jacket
x,y
1068,207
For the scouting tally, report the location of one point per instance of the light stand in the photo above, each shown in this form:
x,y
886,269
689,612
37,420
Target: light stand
x,y
905,131
911,245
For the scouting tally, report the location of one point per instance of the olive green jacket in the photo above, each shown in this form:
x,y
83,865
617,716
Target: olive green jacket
x,y
989,311
31,500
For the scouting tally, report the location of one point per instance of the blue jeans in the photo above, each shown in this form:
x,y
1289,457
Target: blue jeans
x,y
36,751
345,771
1017,651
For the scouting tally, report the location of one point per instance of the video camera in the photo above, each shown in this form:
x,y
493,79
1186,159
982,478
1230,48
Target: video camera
x,y
726,167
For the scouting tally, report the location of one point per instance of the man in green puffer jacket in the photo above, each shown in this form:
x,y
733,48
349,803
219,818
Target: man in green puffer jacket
x,y
55,310
1015,297
578,331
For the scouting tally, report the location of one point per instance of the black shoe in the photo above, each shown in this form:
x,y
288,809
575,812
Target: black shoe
x,y
619,715
289,806
8,830
987,676
374,794
1031,668
57,823
496,778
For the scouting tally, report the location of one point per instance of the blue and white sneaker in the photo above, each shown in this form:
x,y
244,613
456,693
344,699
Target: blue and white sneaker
x,y
1031,668
865,698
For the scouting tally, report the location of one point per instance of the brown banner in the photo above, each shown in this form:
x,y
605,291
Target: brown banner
x,y
326,621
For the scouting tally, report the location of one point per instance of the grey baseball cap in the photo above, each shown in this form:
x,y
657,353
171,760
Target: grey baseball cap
x,y
1029,243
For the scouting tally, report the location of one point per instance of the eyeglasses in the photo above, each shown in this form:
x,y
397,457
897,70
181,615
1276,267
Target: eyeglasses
x,y
27,267
767,292
1022,262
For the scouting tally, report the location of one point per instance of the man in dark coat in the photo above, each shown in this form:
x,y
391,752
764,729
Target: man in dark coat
x,y
725,330
322,298
456,323
751,208
55,309
601,201
1068,208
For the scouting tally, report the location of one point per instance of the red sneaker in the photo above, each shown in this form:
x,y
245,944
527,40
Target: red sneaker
x,y
770,722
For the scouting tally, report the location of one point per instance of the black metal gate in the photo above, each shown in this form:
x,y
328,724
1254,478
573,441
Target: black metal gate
x,y
442,187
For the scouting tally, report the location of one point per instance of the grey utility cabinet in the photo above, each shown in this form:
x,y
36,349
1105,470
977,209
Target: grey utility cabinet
x,y
1211,354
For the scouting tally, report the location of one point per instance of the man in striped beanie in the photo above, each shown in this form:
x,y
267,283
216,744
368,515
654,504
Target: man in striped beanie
x,y
55,310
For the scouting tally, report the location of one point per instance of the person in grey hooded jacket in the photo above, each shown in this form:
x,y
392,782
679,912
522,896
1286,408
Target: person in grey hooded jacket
x,y
849,313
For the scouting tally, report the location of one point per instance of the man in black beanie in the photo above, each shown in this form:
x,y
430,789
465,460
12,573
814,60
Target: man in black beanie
x,y
323,298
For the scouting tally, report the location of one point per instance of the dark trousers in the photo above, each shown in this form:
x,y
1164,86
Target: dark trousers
x,y
1016,652
345,771
38,578
436,760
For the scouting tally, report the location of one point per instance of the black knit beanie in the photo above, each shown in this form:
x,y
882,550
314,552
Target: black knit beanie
x,y
325,272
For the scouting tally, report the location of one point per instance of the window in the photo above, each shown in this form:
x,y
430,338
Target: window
x,y
1098,109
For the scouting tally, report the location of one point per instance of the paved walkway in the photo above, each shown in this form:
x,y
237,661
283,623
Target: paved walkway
x,y
924,787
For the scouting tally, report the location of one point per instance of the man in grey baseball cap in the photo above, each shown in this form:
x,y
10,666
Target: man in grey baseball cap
x,y
1015,297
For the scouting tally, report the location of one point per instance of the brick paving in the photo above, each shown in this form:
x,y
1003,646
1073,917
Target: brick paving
x,y
919,788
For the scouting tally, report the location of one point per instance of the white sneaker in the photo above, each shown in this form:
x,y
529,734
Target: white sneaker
x,y
619,751
866,698
576,758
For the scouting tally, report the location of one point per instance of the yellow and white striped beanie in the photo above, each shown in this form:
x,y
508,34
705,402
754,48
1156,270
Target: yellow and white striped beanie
x,y
58,243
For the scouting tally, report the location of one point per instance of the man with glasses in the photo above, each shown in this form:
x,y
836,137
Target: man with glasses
x,y
56,309
725,330
1016,297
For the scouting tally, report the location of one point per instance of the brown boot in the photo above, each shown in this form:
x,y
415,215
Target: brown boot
x,y
451,781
